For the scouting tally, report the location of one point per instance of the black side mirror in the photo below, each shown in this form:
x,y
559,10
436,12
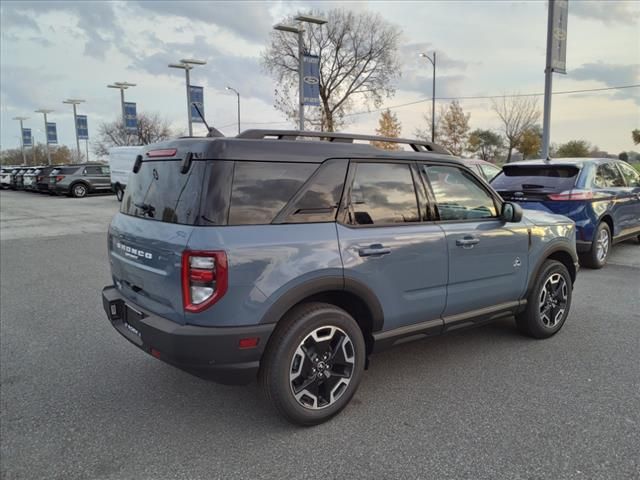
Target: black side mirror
x,y
511,212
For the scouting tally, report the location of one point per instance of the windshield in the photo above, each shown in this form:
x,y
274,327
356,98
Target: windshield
x,y
536,177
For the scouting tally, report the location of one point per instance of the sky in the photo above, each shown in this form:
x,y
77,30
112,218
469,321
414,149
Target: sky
x,y
53,50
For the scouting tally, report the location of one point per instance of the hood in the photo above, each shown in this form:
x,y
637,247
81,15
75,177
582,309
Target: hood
x,y
538,217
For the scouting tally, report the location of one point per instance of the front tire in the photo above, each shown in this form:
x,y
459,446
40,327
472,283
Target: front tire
x,y
119,193
548,303
600,247
313,364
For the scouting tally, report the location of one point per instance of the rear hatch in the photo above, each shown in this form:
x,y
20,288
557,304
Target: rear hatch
x,y
147,238
546,187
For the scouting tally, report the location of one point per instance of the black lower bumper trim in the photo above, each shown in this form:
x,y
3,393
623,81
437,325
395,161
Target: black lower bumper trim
x,y
207,352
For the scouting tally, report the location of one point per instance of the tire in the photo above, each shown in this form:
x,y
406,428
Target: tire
x,y
600,248
548,303
286,365
79,190
119,192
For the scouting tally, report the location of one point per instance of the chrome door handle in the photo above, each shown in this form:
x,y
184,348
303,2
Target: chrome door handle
x,y
467,242
374,250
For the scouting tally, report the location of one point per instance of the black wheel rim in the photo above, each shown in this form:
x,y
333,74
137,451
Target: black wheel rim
x,y
553,300
322,367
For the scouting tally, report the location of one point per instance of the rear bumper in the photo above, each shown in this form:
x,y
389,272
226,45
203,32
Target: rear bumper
x,y
212,353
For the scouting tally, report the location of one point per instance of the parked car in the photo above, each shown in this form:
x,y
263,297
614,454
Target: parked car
x,y
42,177
29,179
486,170
80,180
14,178
19,178
266,255
5,178
601,195
121,160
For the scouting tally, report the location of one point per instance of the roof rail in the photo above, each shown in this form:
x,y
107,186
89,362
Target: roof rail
x,y
416,145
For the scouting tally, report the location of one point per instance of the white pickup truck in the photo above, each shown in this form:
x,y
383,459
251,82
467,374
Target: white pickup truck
x,y
121,160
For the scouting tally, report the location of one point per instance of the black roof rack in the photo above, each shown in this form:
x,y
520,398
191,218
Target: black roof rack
x,y
416,145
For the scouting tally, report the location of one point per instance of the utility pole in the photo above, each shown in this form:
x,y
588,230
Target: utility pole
x,y
433,95
44,112
187,64
22,119
75,102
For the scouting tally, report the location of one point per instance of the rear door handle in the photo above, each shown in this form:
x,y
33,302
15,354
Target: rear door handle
x,y
374,250
467,242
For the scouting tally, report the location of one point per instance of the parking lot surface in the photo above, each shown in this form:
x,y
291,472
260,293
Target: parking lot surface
x,y
78,401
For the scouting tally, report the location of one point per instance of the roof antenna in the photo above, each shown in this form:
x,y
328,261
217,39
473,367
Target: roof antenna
x,y
212,132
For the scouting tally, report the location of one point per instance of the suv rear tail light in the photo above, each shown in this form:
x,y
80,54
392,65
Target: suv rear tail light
x,y
59,178
204,279
571,195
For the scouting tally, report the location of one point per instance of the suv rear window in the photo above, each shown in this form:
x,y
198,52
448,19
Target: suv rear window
x,y
159,191
64,170
536,177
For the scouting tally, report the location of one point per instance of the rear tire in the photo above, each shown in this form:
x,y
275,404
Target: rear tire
x,y
600,248
79,190
548,303
119,193
313,363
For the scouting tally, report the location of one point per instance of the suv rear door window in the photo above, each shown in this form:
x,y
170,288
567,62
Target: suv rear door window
x,y
261,189
382,194
536,178
608,176
93,170
458,194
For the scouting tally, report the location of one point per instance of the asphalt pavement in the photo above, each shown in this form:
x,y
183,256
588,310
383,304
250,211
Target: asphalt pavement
x,y
79,402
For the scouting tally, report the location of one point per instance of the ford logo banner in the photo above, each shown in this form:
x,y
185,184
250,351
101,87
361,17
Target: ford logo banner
x,y
311,80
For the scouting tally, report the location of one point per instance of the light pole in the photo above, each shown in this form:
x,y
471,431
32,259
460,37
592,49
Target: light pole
x,y
187,64
122,86
238,94
44,112
75,102
22,119
300,32
433,95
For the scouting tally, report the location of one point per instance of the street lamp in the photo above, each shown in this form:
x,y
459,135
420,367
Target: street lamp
x,y
22,119
238,94
122,86
187,64
75,102
300,31
44,112
433,95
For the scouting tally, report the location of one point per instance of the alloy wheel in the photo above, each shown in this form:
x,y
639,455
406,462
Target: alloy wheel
x,y
602,245
322,367
553,300
79,190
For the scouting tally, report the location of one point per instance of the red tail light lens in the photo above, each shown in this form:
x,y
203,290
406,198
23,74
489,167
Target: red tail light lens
x,y
59,178
571,195
204,279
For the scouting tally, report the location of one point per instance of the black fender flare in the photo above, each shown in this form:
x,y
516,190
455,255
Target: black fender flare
x,y
558,246
316,286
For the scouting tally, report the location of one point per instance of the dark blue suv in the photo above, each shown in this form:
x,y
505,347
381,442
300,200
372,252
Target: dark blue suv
x,y
290,257
601,195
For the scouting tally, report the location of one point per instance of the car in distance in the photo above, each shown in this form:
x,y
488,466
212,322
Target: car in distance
x,y
486,170
601,195
80,180
270,256
121,160
5,178
42,177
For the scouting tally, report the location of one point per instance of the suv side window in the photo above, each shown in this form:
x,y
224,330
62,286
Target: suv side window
x,y
105,170
630,175
458,194
382,194
261,189
93,170
608,175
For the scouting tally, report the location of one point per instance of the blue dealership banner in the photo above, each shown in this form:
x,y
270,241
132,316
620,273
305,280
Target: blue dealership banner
x,y
130,117
27,140
311,80
52,133
196,94
83,127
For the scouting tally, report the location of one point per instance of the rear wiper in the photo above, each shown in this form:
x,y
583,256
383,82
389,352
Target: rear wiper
x,y
147,208
531,185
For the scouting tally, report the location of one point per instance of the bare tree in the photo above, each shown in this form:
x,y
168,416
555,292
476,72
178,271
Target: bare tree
x,y
517,114
358,62
151,128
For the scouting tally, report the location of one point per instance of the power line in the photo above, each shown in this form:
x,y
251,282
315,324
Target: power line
x,y
475,97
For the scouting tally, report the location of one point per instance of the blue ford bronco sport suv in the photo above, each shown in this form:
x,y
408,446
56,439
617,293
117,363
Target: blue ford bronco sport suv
x,y
291,257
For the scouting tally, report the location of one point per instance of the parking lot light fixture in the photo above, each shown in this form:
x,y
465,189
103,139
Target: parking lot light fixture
x,y
238,94
44,112
75,102
187,64
122,86
21,120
